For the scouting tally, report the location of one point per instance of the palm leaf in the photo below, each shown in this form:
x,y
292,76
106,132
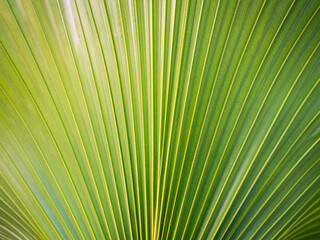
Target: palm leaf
x,y
159,119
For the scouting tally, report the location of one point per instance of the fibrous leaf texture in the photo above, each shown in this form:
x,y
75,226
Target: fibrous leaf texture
x,y
159,119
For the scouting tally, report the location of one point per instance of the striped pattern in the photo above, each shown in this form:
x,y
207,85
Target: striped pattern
x,y
159,119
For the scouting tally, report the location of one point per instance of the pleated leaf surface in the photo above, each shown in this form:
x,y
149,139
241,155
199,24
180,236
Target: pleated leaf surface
x,y
159,119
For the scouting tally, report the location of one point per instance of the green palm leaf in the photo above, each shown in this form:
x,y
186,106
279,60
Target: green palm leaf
x,y
159,119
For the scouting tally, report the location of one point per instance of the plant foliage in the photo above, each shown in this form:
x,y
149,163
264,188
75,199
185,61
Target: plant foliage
x,y
159,119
